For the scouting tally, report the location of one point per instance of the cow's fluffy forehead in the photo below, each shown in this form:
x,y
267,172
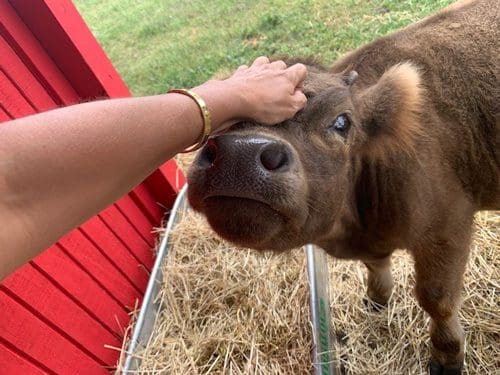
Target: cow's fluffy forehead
x,y
325,93
318,81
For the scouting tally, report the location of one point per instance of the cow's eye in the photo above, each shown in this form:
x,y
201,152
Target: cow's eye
x,y
341,124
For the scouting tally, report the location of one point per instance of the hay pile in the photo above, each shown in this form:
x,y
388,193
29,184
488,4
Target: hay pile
x,y
232,311
227,312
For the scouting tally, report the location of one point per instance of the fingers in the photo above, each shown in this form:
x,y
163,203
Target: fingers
x,y
297,74
279,64
241,68
263,60
260,61
273,90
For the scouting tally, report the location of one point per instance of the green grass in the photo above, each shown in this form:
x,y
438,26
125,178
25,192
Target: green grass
x,y
160,44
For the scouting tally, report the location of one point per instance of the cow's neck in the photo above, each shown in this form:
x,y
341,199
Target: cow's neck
x,y
376,216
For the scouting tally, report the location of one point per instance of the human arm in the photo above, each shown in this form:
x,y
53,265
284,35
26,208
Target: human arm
x,y
59,168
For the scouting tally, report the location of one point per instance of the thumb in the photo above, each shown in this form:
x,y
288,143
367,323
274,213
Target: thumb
x,y
299,99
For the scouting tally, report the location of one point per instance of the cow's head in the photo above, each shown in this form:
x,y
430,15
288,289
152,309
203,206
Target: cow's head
x,y
278,187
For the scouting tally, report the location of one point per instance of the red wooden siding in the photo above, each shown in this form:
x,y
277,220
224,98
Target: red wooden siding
x,y
59,311
26,84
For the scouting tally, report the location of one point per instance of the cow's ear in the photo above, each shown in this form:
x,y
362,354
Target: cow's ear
x,y
389,110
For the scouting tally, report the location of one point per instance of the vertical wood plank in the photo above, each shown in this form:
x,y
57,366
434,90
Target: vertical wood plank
x,y
82,252
13,362
145,200
34,57
128,236
25,81
137,219
82,288
39,293
4,116
67,39
34,337
12,99
109,245
165,183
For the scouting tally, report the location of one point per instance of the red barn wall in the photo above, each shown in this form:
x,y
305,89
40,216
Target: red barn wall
x,y
59,311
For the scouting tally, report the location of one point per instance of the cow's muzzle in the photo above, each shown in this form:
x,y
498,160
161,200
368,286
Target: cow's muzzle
x,y
255,167
257,155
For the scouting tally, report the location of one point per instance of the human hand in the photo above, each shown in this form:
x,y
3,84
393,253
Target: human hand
x,y
271,92
265,92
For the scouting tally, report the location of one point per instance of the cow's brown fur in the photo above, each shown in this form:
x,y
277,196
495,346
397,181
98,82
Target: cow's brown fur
x,y
422,155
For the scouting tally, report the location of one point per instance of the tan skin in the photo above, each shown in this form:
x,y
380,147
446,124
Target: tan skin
x,y
59,168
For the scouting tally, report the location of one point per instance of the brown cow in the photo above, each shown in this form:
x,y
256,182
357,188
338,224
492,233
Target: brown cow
x,y
398,147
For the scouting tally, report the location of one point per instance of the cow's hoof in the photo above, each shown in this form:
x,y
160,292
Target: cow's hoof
x,y
373,306
437,369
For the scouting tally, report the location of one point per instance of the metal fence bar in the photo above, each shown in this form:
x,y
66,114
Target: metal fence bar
x,y
319,302
149,309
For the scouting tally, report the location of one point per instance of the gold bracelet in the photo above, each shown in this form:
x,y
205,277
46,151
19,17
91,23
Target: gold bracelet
x,y
205,114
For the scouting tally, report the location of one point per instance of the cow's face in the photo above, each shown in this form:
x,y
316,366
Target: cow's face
x,y
278,187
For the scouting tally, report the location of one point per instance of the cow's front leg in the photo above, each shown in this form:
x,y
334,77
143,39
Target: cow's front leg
x,y
439,274
380,282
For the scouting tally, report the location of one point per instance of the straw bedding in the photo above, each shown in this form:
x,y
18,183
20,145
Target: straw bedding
x,y
233,311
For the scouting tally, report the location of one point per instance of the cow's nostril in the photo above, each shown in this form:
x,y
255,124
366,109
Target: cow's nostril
x,y
208,154
273,157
